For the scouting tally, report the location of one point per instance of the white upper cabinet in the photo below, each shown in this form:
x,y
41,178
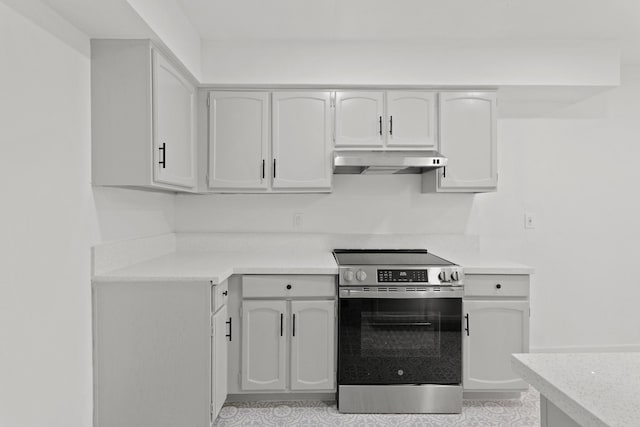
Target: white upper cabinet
x,y
411,119
360,120
142,118
239,137
301,146
468,140
174,127
395,120
280,146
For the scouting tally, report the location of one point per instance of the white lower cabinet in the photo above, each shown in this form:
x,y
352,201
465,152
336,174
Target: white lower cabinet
x,y
264,345
219,349
312,345
159,353
271,328
288,334
496,324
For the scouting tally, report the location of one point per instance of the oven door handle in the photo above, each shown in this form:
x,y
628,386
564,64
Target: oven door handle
x,y
358,293
401,324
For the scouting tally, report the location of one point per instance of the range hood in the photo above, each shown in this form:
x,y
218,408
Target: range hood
x,y
386,162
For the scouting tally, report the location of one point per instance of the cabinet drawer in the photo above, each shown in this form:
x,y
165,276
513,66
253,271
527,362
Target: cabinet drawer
x,y
220,294
288,286
496,285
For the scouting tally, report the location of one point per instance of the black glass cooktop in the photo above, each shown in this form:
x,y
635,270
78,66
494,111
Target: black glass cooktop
x,y
419,257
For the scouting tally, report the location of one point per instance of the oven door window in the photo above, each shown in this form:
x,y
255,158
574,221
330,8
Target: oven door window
x,y
400,341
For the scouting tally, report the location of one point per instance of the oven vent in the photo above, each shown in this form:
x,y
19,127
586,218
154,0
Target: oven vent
x,y
416,289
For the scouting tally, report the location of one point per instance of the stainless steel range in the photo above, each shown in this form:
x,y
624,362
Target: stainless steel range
x,y
400,332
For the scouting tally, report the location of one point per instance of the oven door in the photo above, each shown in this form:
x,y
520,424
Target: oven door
x,y
400,341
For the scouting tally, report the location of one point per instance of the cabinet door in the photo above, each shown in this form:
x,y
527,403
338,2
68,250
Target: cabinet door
x,y
411,119
173,125
312,345
359,120
301,143
468,140
238,138
263,345
496,330
219,361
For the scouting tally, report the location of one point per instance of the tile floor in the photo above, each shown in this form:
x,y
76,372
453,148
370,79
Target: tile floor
x,y
523,412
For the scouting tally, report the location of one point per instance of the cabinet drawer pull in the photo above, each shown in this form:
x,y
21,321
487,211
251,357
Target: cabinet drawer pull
x,y
274,168
390,125
281,323
229,334
380,124
163,150
263,168
467,321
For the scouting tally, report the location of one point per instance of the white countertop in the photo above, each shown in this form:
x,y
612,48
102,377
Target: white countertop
x,y
595,389
476,263
219,265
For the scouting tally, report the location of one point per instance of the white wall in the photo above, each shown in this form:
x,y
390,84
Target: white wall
x,y
358,204
580,177
578,174
50,219
167,19
122,214
462,63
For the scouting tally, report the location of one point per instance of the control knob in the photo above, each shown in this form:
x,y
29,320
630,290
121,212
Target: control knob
x,y
455,276
348,275
361,275
443,276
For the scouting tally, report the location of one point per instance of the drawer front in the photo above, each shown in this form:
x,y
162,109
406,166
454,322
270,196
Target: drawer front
x,y
220,295
288,286
496,285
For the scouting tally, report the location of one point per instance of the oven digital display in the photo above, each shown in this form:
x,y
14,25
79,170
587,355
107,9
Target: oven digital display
x,y
402,276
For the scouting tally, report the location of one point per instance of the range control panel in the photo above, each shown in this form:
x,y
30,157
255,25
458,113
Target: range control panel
x,y
385,276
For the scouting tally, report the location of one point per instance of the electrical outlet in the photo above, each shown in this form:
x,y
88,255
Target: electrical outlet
x,y
297,220
530,220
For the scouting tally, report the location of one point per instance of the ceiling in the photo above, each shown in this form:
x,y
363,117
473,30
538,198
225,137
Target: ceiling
x,y
616,21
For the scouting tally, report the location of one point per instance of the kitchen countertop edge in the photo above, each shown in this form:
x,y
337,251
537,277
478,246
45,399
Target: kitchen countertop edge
x,y
554,393
217,267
